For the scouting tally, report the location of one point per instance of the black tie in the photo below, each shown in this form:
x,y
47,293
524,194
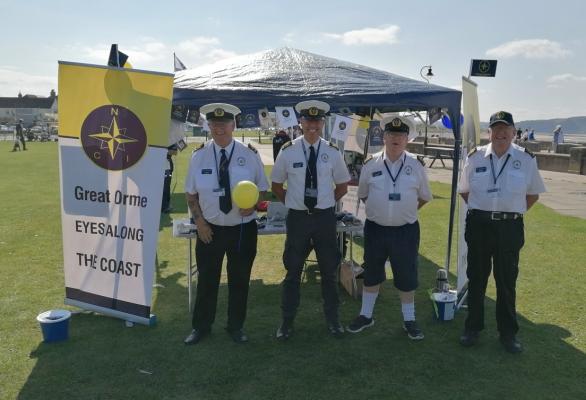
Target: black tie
x,y
311,180
226,200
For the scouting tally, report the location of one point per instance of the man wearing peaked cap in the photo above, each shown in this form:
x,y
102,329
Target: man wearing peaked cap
x,y
219,111
500,182
312,109
222,228
394,185
316,177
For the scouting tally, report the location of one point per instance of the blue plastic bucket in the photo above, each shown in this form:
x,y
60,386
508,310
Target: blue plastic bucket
x,y
55,325
445,304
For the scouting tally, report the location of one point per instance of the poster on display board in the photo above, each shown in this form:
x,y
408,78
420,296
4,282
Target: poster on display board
x,y
113,137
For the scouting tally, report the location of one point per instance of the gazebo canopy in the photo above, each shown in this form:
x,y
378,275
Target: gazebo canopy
x,y
285,76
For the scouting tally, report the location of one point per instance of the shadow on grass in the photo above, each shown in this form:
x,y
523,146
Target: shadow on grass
x,y
104,359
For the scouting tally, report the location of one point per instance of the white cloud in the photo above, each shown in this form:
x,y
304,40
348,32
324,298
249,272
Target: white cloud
x,y
369,36
530,48
289,38
566,78
13,81
151,54
144,53
557,81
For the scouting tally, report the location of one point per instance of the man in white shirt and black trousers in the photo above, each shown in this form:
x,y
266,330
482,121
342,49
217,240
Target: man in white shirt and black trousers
x,y
500,182
316,177
222,228
394,185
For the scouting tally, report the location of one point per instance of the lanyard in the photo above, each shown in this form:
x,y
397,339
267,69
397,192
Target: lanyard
x,y
227,163
502,168
394,178
305,152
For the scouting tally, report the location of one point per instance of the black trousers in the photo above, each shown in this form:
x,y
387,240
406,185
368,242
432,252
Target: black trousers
x,y
303,232
240,248
493,244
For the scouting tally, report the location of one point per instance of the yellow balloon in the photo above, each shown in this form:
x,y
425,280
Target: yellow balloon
x,y
245,194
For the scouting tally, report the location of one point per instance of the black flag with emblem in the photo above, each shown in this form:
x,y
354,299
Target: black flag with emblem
x,y
485,68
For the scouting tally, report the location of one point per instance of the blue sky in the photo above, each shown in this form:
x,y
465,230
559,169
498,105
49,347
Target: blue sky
x,y
541,48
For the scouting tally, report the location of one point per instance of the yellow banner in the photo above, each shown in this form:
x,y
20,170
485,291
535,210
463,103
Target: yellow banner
x,y
87,91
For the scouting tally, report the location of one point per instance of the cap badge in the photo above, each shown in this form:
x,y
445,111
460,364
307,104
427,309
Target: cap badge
x,y
313,111
218,112
396,123
500,115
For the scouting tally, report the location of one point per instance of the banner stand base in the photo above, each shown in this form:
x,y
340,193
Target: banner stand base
x,y
151,321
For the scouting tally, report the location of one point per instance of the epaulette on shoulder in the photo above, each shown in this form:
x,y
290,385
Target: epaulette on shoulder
x,y
288,144
368,159
474,150
530,153
334,146
200,147
251,147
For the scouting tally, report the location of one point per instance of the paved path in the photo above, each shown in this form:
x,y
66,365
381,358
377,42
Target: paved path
x,y
566,193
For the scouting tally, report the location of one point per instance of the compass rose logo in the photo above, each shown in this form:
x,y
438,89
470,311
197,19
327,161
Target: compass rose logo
x,y
113,137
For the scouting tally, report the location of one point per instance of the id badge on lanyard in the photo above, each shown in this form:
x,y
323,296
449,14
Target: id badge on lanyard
x,y
310,192
494,192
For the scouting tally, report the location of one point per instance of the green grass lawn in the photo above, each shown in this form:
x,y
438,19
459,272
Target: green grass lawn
x,y
103,359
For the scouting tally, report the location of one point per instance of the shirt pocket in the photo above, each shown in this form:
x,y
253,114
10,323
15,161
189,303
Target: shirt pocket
x,y
239,173
377,182
206,179
324,168
296,167
516,182
479,178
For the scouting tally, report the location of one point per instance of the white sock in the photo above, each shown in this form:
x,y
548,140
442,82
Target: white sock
x,y
408,310
368,300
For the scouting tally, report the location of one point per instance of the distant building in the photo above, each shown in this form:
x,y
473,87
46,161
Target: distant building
x,y
31,109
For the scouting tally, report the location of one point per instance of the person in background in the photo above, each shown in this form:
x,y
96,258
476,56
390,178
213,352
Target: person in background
x,y
19,136
166,203
557,138
281,137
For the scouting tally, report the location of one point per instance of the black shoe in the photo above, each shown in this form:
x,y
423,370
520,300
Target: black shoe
x,y
335,329
360,324
469,338
195,336
511,344
238,335
413,331
285,330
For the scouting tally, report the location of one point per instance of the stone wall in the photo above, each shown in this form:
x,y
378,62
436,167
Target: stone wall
x,y
553,162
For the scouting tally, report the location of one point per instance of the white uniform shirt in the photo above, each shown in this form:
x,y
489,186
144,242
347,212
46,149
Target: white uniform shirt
x,y
291,164
376,184
519,178
202,178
